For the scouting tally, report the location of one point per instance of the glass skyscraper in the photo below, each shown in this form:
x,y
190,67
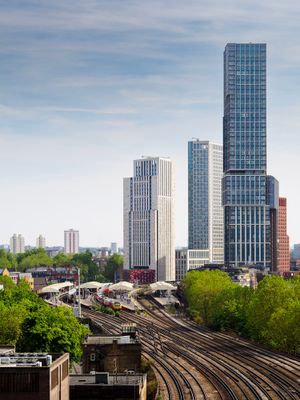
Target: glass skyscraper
x,y
246,209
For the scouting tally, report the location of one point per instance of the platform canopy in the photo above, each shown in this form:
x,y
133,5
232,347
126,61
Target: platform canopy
x,y
91,285
122,286
160,285
56,287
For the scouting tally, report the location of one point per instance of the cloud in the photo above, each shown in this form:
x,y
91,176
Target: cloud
x,y
87,86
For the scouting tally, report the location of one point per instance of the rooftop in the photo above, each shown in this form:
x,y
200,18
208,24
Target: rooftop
x,y
12,359
105,378
108,339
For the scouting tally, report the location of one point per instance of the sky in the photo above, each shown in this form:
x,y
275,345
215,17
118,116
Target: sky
x,y
89,86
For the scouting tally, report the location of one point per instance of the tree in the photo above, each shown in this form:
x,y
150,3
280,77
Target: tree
x,y
35,260
62,259
52,330
7,282
88,268
230,308
201,289
30,324
7,260
283,328
114,266
272,293
11,318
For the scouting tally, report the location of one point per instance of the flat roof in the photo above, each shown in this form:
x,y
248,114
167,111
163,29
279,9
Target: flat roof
x,y
21,360
121,379
108,339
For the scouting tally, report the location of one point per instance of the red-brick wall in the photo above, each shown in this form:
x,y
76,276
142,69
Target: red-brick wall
x,y
283,255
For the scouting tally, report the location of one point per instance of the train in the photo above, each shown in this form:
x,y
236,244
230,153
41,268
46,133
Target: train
x,y
107,302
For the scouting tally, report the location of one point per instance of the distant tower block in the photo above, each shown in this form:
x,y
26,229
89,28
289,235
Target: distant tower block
x,y
71,241
40,242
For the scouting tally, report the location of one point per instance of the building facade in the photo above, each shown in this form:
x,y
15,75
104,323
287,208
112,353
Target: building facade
x,y
296,252
40,242
206,224
246,212
186,259
273,201
149,219
17,244
113,248
71,242
283,255
31,376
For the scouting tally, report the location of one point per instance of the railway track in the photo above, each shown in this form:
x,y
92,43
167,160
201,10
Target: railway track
x,y
195,363
274,379
171,379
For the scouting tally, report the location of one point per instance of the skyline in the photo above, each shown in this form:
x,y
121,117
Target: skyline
x,y
83,97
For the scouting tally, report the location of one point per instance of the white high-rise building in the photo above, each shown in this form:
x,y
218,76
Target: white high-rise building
x,y
114,247
40,242
149,218
206,217
71,242
17,244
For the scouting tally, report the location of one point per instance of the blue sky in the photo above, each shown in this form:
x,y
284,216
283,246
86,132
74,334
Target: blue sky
x,y
88,86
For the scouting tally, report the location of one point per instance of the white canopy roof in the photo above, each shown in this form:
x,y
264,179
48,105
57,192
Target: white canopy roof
x,y
92,285
49,289
122,286
160,285
55,288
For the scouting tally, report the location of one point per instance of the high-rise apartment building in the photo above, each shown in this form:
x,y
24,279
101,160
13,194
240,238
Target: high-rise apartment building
x,y
273,202
206,221
247,214
149,219
17,244
71,242
114,247
40,242
283,255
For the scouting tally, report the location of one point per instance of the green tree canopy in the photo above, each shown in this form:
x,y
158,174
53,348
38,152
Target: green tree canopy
x,y
88,268
7,260
270,314
114,266
62,259
29,323
37,259
201,289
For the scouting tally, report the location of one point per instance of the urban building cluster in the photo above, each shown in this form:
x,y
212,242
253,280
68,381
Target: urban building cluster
x,y
235,215
71,245
111,369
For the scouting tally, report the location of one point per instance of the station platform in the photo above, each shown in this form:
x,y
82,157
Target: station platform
x,y
165,301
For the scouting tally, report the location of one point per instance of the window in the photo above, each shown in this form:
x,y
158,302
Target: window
x,y
65,369
54,378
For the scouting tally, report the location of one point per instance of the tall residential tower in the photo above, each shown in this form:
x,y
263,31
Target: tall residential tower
x,y
17,244
40,242
247,214
149,220
206,225
71,241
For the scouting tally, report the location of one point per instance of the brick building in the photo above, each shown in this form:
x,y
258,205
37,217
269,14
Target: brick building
x,y
107,387
283,248
32,376
112,353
